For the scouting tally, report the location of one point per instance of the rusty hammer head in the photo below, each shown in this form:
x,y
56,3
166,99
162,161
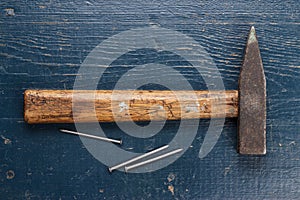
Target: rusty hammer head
x,y
252,101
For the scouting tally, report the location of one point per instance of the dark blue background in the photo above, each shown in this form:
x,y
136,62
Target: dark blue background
x,y
42,46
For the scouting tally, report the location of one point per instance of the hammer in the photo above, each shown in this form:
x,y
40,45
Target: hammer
x,y
248,104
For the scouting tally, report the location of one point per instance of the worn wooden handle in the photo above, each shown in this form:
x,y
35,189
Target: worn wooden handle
x,y
55,106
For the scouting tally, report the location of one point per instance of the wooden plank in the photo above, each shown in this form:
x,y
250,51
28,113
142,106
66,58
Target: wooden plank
x,y
42,46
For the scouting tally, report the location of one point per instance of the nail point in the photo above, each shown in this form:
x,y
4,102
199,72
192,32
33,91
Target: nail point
x,y
126,169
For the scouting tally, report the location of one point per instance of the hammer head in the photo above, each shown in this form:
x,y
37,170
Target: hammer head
x,y
252,101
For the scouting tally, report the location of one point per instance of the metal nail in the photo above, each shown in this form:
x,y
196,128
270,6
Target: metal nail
x,y
127,168
137,158
92,136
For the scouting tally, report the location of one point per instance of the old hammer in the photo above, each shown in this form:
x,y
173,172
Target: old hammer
x,y
248,104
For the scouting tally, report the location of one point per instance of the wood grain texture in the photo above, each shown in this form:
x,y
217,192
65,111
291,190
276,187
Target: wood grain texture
x,y
42,47
55,106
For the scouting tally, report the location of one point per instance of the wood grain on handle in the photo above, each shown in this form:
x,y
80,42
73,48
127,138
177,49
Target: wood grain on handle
x,y
55,106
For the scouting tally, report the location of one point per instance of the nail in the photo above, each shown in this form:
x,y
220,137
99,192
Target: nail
x,y
137,158
127,168
92,136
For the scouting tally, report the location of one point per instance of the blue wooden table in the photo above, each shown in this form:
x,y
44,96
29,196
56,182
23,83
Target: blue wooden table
x,y
43,44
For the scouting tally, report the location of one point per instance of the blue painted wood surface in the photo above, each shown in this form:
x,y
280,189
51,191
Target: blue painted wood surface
x,y
42,45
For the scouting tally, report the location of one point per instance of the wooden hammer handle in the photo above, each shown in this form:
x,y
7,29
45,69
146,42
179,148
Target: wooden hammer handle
x,y
55,106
